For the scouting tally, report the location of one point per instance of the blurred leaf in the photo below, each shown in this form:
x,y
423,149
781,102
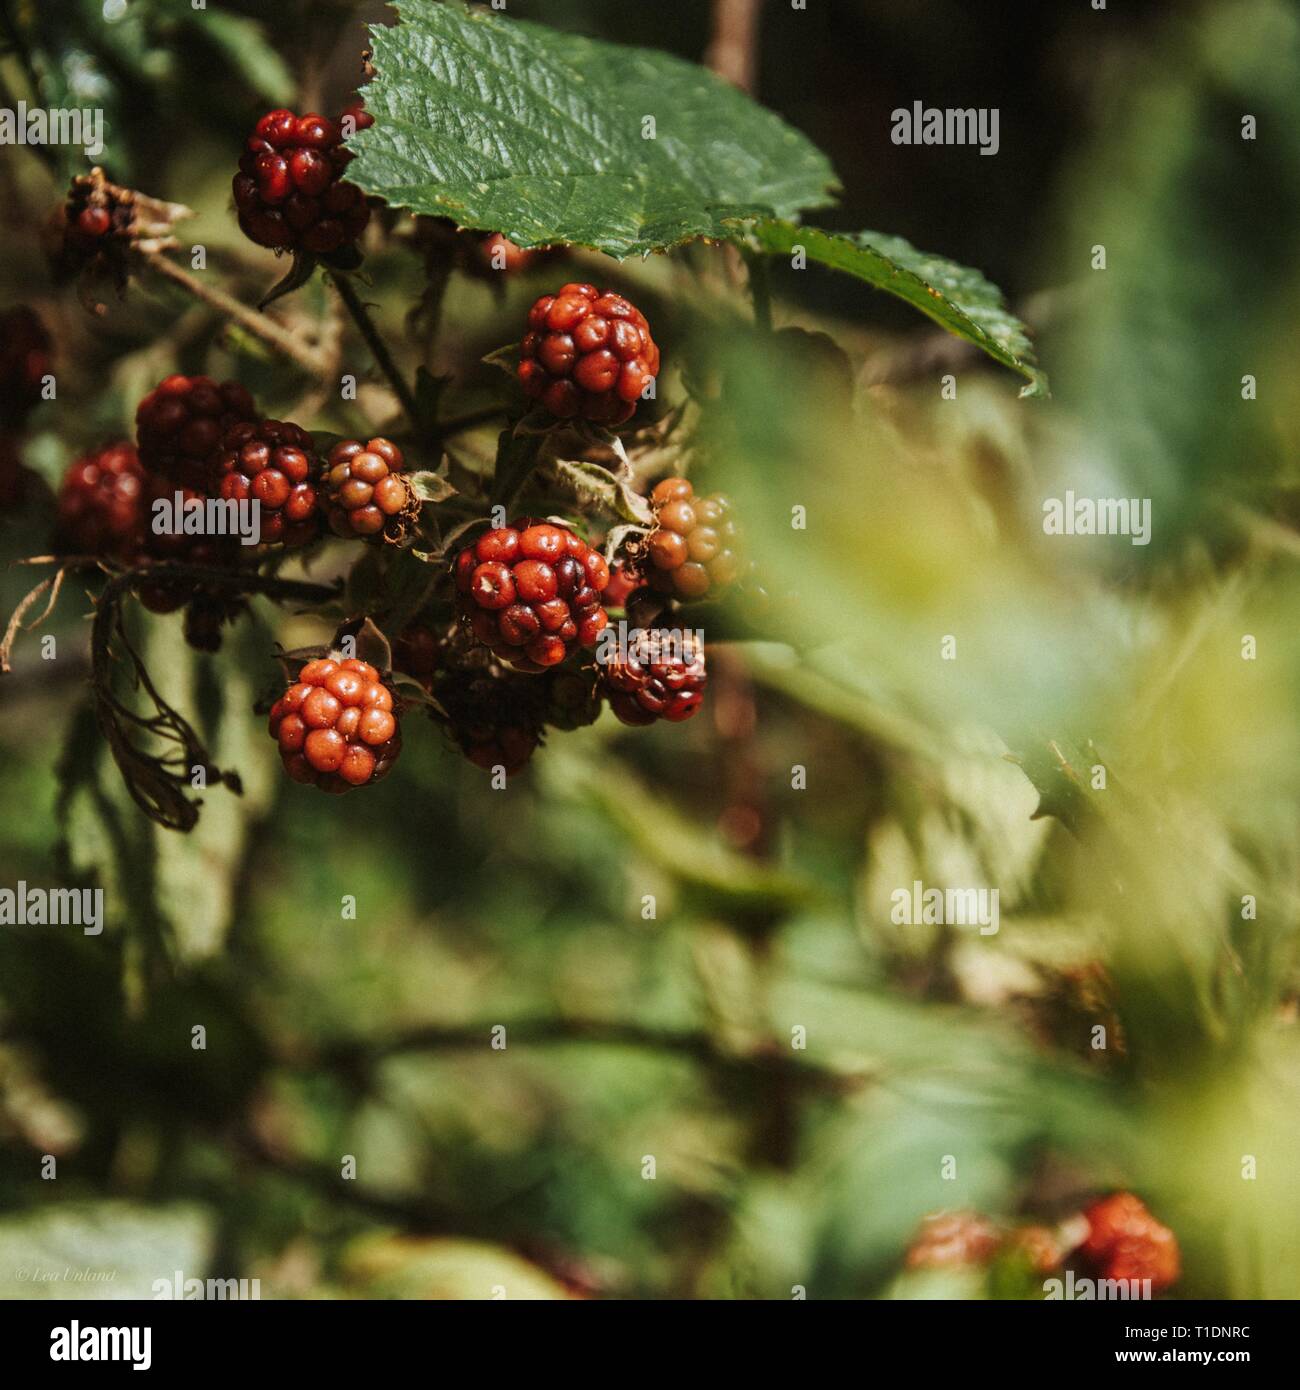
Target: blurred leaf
x,y
242,42
512,127
957,298
404,1267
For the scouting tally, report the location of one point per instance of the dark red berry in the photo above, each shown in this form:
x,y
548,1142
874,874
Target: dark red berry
x,y
274,463
495,715
24,364
288,191
101,505
531,592
335,725
180,426
661,675
587,354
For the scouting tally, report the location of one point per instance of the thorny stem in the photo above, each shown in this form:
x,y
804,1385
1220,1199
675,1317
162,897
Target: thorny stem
x,y
270,332
374,341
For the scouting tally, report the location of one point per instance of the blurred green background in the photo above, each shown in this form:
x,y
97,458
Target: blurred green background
x,y
775,1166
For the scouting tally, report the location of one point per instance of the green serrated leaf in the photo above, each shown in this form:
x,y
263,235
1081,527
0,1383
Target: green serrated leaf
x,y
954,296
509,126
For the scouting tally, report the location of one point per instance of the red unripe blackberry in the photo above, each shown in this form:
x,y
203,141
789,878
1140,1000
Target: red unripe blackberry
x,y
495,254
695,548
365,493
587,354
101,505
1126,1242
661,676
180,426
24,364
275,463
949,1239
335,725
624,580
531,592
290,192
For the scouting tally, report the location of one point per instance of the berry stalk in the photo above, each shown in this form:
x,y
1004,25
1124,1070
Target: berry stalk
x,y
379,349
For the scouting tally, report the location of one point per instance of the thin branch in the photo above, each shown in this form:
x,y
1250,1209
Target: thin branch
x,y
374,341
733,51
260,325
362,1058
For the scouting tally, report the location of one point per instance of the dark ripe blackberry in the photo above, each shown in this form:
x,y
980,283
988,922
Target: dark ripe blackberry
x,y
96,226
365,493
180,426
587,354
336,726
24,364
661,676
275,463
495,715
101,505
531,592
290,193
695,549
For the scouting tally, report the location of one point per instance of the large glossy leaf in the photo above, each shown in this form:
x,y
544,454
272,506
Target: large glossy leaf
x,y
513,127
954,296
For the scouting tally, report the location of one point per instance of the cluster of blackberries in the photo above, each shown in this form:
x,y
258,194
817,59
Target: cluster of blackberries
x,y
365,492
290,193
1122,1241
335,725
694,549
530,591
661,676
496,715
587,354
202,439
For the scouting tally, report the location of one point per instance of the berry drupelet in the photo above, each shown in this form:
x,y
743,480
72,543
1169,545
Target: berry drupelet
x,y
695,549
531,592
365,493
335,725
290,193
275,463
661,676
101,505
587,354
